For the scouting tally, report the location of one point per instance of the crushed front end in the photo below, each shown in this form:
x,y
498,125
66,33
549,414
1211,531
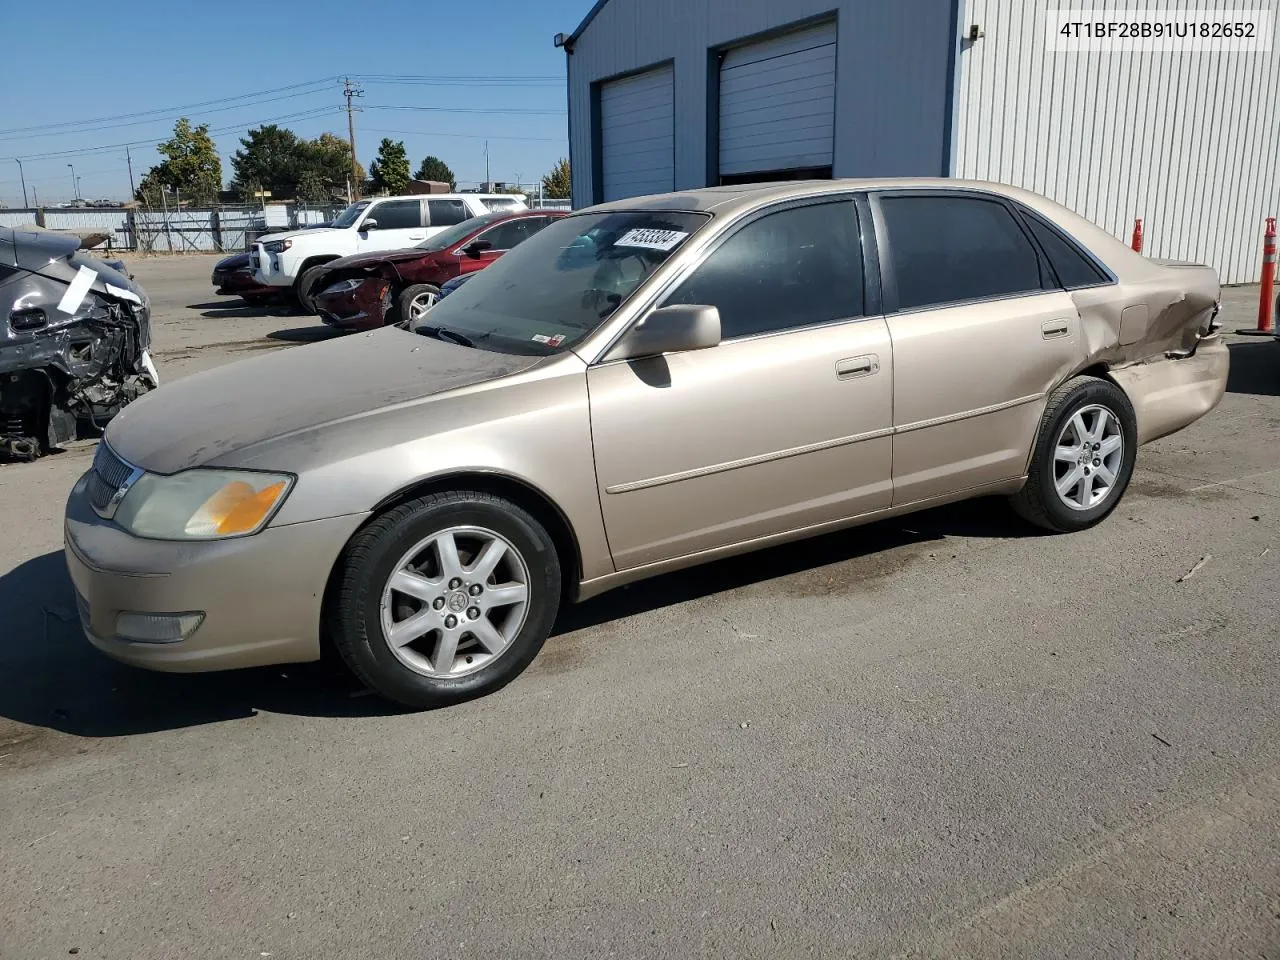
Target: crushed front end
x,y
74,343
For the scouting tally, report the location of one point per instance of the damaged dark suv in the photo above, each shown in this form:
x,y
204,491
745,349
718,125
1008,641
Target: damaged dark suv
x,y
74,344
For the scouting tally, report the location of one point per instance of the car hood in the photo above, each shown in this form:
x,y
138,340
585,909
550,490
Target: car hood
x,y
208,416
236,261
381,256
294,234
54,255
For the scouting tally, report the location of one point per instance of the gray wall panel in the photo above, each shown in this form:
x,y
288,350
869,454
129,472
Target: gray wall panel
x,y
892,77
1189,141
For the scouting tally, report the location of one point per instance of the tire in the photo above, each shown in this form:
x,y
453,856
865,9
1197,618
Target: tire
x,y
419,671
302,287
407,297
1039,501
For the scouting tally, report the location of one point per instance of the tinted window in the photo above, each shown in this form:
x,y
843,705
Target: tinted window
x,y
445,213
398,215
512,233
1071,266
794,268
946,249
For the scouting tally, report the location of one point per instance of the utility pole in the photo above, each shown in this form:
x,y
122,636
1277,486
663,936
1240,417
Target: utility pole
x,y
75,188
133,191
22,175
488,183
350,90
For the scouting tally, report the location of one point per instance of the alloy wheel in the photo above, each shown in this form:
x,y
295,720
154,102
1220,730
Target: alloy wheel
x,y
1087,457
455,602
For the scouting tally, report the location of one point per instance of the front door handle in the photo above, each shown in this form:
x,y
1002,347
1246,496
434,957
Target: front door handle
x,y
1054,328
863,366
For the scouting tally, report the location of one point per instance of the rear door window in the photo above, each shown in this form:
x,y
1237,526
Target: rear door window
x,y
512,233
951,249
446,213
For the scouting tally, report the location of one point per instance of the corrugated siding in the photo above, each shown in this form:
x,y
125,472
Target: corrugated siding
x,y
892,77
1189,142
777,102
636,135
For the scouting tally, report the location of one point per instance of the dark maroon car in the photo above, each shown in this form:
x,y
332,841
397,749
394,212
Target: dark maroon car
x,y
233,276
369,290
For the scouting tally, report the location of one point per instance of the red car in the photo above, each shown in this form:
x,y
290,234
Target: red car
x,y
369,290
232,276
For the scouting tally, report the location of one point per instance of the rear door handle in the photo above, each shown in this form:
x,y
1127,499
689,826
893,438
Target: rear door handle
x,y
863,366
1055,328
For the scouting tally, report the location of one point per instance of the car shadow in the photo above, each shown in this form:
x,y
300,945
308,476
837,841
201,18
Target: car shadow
x,y
55,679
307,334
849,555
235,307
1255,367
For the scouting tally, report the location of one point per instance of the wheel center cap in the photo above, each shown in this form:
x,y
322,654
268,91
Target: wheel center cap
x,y
457,601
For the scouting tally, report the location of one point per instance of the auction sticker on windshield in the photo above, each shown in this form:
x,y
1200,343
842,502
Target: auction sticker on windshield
x,y
651,239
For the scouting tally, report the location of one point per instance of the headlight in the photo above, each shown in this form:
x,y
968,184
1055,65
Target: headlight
x,y
277,246
202,504
342,286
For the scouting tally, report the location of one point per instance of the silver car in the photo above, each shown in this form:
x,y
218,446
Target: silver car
x,y
643,386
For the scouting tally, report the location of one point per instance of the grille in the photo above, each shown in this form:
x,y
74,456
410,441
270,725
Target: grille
x,y
108,475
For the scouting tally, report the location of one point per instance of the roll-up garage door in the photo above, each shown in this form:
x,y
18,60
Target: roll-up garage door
x,y
637,138
777,103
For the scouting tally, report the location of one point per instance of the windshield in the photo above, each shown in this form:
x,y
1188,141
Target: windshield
x,y
558,286
350,215
458,231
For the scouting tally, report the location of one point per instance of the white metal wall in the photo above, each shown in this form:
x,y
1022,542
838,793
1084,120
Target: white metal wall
x,y
1190,142
637,134
777,102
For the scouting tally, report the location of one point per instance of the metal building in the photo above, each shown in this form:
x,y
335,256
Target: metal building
x,y
672,94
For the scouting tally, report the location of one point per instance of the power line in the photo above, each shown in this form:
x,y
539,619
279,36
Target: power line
x,y
163,110
465,136
164,119
475,110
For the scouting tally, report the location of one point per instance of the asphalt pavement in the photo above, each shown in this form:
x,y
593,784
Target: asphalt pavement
x,y
943,735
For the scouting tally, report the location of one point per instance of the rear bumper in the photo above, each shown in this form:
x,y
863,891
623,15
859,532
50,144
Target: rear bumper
x,y
239,282
261,596
1170,394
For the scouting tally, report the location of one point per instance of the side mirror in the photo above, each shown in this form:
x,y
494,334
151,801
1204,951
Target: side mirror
x,y
369,224
477,247
672,329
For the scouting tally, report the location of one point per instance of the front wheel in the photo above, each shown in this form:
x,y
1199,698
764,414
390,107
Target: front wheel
x,y
304,289
414,301
1083,457
445,598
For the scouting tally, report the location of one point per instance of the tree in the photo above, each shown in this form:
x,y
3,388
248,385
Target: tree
x,y
276,159
390,171
433,168
557,184
271,159
190,167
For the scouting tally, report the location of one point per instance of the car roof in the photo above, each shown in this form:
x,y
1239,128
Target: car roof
x,y
731,200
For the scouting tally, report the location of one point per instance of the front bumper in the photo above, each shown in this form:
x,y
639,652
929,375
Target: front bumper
x,y
234,283
271,269
364,307
261,595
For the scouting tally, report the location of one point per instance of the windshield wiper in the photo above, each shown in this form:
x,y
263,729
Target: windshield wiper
x,y
448,336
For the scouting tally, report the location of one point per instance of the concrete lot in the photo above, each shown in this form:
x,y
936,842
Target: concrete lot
x,y
942,735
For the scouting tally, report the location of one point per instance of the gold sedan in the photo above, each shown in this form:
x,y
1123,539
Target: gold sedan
x,y
643,386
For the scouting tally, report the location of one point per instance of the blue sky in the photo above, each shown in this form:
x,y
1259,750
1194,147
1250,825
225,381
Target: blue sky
x,y
93,67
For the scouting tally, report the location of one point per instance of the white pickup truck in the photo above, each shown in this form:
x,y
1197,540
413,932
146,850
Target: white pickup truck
x,y
294,259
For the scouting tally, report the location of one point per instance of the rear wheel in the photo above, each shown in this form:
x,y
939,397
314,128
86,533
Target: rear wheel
x,y
446,598
414,301
1083,457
